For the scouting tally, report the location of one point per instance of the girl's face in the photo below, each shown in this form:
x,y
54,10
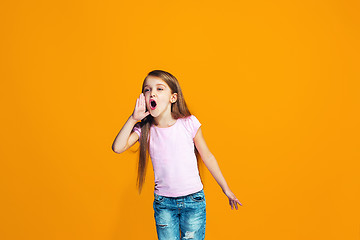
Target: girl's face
x,y
158,96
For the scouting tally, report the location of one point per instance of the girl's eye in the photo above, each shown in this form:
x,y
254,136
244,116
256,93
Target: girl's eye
x,y
146,90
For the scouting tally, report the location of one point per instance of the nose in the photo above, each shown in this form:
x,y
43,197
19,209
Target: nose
x,y
152,93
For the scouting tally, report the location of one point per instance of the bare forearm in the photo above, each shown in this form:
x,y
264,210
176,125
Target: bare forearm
x,y
123,136
215,171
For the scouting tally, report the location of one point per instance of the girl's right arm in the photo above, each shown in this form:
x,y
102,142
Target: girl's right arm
x,y
125,139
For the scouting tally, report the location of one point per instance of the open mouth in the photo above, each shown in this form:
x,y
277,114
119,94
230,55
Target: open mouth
x,y
152,104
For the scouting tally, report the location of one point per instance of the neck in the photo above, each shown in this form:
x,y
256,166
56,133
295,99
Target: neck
x,y
164,121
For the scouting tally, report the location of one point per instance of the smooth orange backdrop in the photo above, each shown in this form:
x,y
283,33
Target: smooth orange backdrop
x,y
274,83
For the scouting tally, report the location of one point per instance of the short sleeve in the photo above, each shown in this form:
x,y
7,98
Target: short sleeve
x,y
137,129
194,125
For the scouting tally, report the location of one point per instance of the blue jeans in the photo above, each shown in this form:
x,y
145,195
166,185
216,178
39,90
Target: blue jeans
x,y
180,217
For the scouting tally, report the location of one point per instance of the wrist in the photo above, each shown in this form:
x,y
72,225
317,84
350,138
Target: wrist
x,y
133,119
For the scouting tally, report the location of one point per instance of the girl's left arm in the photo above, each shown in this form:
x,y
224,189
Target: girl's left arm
x,y
211,163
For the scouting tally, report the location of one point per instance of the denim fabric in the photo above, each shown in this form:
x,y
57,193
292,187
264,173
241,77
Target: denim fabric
x,y
180,217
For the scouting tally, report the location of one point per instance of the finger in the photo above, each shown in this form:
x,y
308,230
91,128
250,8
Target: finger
x,y
140,99
238,202
236,205
231,204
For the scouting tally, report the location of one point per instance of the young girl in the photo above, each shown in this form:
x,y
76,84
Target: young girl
x,y
171,135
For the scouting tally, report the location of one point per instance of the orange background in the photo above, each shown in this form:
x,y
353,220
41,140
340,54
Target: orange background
x,y
274,83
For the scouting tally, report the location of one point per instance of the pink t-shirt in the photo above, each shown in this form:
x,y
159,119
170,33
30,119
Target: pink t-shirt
x,y
173,157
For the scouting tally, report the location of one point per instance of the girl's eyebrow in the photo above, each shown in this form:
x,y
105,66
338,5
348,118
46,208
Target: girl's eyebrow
x,y
156,84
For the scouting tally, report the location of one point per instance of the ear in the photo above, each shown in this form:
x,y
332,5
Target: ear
x,y
173,98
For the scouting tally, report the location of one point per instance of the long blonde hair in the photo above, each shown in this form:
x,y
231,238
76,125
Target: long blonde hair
x,y
179,109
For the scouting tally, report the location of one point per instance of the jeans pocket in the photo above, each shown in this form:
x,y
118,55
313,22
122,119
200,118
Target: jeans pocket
x,y
158,198
198,197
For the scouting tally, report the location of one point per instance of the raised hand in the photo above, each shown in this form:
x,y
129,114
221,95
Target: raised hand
x,y
233,201
140,108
